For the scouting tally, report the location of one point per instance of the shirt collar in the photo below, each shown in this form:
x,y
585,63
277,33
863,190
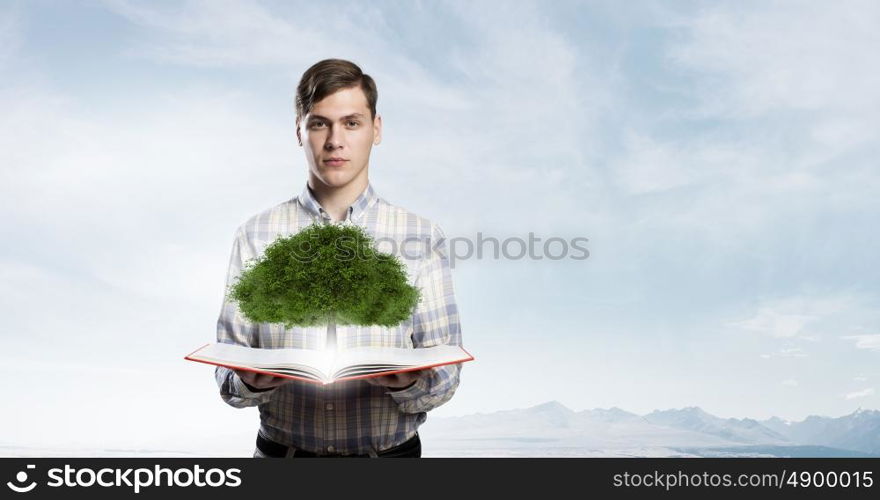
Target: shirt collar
x,y
357,208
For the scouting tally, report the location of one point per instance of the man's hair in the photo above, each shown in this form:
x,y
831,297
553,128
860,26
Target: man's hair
x,y
328,76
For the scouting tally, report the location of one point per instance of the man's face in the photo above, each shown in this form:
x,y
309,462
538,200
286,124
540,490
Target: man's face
x,y
338,135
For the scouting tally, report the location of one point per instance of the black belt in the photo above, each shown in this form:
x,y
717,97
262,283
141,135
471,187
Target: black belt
x,y
412,447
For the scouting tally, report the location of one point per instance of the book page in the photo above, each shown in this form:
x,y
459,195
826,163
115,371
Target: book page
x,y
377,359
279,360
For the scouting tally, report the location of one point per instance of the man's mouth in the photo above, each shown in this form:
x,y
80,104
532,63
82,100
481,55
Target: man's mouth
x,y
335,162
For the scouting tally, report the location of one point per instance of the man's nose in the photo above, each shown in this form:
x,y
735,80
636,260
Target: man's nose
x,y
334,139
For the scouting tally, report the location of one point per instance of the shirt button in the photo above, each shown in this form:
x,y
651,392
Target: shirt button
x,y
329,406
331,449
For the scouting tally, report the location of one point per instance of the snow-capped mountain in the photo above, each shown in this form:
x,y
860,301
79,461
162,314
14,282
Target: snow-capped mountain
x,y
739,431
859,430
551,429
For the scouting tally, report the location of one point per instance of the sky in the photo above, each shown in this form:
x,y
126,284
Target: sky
x,y
720,157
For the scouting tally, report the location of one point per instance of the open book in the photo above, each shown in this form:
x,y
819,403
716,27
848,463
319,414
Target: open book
x,y
329,366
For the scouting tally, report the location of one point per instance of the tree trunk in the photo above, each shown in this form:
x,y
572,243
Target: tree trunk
x,y
330,343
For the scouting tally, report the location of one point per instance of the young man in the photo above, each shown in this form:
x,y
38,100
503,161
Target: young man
x,y
337,126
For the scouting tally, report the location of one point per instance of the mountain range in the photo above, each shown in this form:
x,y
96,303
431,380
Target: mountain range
x,y
551,429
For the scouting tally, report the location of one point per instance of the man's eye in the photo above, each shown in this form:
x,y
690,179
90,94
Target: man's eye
x,y
353,123
316,124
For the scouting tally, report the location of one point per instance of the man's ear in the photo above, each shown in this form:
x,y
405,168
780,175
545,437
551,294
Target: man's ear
x,y
298,136
377,129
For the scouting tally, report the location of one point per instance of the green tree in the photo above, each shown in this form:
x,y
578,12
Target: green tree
x,y
326,274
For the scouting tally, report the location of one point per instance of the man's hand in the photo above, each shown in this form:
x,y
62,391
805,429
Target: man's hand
x,y
260,380
397,380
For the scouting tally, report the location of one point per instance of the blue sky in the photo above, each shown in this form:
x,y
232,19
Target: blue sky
x,y
719,156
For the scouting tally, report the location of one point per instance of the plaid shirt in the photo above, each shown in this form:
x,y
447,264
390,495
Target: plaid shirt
x,y
348,417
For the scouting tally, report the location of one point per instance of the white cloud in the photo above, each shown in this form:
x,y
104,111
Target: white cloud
x,y
789,352
790,382
786,55
10,34
811,338
232,33
779,123
859,394
792,352
135,193
776,324
871,342
789,317
651,165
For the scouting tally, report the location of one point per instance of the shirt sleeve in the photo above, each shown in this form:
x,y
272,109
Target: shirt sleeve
x,y
435,322
233,328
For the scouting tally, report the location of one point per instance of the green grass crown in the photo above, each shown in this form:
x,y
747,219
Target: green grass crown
x,y
324,273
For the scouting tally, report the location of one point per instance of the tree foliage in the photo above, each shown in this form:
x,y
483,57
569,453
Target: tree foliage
x,y
325,273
